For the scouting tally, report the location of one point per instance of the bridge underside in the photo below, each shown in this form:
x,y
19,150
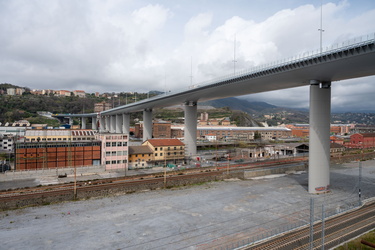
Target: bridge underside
x,y
318,70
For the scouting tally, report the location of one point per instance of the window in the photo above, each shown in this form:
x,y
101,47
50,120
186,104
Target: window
x,y
113,144
156,154
119,144
175,148
156,149
107,144
113,162
107,153
108,162
161,154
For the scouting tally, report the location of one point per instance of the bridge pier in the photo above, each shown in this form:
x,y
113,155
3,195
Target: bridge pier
x,y
147,124
190,133
112,124
83,125
319,146
126,123
94,124
118,123
107,123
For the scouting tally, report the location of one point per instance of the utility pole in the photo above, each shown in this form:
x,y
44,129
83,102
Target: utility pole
x,y
321,30
234,55
359,184
311,223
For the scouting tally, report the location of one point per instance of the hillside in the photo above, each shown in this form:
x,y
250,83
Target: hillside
x,y
262,111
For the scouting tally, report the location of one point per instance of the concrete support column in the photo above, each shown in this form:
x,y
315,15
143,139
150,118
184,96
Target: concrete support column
x,y
147,124
94,124
190,133
112,127
126,124
107,123
83,123
319,146
118,123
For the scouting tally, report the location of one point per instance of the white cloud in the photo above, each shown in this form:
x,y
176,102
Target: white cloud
x,y
118,45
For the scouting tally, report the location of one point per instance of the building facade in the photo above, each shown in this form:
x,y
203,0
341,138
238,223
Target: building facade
x,y
365,140
166,150
114,150
140,157
42,155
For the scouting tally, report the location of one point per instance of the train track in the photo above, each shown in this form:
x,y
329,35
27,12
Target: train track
x,y
133,180
68,189
337,230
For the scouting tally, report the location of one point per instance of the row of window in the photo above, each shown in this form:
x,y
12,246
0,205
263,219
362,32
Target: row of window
x,y
161,154
60,145
60,139
169,148
116,137
139,160
115,162
116,153
116,144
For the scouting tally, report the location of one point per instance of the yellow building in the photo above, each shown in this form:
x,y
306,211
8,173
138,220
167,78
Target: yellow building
x,y
167,150
140,157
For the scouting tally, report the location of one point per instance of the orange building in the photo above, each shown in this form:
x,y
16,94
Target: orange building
x,y
365,140
35,155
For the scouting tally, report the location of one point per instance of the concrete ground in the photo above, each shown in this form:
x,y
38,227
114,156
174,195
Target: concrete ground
x,y
196,217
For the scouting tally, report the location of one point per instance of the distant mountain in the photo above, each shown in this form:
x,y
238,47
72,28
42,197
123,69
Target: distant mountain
x,y
274,115
240,104
262,111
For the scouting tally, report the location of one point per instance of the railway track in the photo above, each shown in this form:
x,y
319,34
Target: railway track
x,y
337,230
133,180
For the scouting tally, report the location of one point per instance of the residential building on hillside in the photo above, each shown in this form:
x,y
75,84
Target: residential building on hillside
x,y
166,150
63,93
140,157
102,106
11,91
79,93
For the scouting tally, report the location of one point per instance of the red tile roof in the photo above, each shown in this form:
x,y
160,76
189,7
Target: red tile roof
x,y
165,142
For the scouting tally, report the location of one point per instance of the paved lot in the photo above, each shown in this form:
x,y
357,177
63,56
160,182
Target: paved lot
x,y
196,217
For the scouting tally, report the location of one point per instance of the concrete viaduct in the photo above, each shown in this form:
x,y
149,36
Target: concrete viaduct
x,y
347,60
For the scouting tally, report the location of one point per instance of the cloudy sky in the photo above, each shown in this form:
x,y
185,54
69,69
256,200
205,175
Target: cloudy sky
x,y
143,45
